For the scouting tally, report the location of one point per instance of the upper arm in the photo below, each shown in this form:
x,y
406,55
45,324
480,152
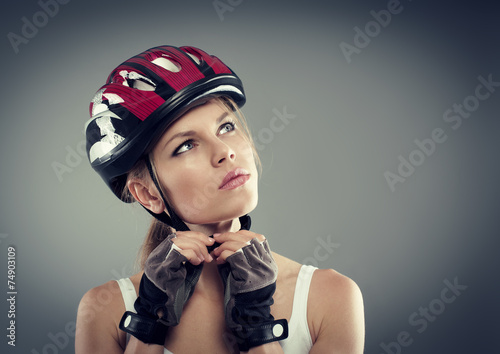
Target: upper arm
x,y
96,322
336,305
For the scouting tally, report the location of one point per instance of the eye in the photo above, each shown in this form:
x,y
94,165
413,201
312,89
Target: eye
x,y
226,128
185,146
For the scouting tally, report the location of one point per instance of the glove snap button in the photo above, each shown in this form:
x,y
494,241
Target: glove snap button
x,y
277,330
127,321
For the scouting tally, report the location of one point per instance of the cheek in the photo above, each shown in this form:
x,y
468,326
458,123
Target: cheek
x,y
193,192
245,154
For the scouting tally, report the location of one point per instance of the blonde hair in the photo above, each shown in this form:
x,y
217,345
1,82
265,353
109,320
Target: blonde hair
x,y
158,230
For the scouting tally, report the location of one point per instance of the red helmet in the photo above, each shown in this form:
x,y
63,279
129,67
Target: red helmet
x,y
142,96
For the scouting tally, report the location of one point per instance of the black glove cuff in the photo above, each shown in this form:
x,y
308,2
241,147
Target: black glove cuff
x,y
146,329
150,299
251,337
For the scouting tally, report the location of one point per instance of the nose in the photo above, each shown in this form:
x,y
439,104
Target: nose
x,y
222,153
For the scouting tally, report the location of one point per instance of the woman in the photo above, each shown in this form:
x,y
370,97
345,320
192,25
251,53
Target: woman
x,y
166,131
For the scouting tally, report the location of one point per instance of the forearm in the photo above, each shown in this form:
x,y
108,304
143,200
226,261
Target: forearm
x,y
135,346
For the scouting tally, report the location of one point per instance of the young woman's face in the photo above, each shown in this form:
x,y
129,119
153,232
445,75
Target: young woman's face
x,y
207,167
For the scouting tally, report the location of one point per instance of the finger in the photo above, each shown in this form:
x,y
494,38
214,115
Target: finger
x,y
239,235
192,256
232,236
231,246
195,246
252,235
222,258
206,240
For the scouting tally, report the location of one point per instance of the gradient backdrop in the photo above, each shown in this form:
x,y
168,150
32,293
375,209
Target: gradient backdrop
x,y
351,107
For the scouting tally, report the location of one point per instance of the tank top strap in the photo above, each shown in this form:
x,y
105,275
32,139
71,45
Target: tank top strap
x,y
129,296
299,338
128,293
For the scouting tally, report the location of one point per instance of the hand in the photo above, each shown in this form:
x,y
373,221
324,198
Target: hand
x,y
193,246
249,274
231,242
170,274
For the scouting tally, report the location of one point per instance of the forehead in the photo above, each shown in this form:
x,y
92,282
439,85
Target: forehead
x,y
199,118
199,115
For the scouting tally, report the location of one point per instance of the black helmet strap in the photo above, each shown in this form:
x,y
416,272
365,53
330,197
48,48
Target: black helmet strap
x,y
172,220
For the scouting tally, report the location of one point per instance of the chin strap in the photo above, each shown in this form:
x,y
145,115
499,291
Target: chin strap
x,y
172,220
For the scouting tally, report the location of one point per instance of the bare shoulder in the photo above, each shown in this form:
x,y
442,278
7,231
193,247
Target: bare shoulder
x,y
287,268
98,317
334,283
336,313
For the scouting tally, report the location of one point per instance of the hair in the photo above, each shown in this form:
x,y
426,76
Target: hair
x,y
158,230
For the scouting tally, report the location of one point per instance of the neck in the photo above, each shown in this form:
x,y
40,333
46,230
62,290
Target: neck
x,y
210,284
219,227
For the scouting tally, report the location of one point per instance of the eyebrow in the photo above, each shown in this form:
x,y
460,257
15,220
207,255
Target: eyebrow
x,y
191,132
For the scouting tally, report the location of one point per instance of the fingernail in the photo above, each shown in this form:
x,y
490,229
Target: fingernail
x,y
209,258
217,235
211,240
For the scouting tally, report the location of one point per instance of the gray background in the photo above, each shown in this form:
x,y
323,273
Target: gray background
x,y
323,180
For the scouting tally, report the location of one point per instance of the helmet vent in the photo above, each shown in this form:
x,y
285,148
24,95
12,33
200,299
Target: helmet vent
x,y
167,64
136,80
195,58
141,85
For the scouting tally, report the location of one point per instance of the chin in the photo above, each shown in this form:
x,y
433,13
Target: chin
x,y
219,212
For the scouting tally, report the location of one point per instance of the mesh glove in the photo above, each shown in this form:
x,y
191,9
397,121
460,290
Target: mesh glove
x,y
249,278
166,285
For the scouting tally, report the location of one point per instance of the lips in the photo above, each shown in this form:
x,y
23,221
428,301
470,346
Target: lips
x,y
235,179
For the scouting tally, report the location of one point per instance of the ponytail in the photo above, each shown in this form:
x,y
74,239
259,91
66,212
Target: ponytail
x,y
158,231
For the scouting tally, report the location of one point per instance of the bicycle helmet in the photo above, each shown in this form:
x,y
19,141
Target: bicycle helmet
x,y
144,95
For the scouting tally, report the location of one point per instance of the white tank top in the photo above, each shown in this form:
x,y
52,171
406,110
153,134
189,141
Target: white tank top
x,y
299,339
